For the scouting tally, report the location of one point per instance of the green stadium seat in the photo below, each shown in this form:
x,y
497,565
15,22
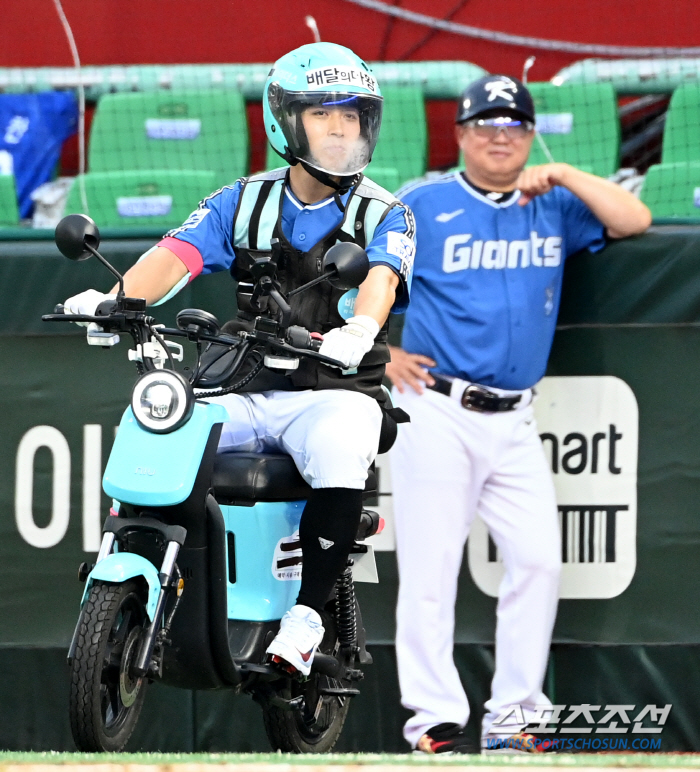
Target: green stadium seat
x,y
673,190
388,177
682,130
579,124
401,154
272,160
402,151
202,130
141,197
9,214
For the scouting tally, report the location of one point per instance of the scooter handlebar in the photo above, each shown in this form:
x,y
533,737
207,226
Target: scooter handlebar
x,y
59,315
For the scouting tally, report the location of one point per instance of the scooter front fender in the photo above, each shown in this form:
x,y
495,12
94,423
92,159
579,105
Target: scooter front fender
x,y
159,470
118,568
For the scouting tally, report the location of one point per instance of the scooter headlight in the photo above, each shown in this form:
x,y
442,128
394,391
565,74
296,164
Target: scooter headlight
x,y
162,401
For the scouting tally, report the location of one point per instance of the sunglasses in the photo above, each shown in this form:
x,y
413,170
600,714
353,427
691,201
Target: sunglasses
x,y
488,128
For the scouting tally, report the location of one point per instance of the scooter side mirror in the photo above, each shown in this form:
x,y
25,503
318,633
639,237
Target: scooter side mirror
x,y
72,235
346,265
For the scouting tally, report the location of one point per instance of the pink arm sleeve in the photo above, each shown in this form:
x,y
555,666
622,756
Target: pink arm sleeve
x,y
189,255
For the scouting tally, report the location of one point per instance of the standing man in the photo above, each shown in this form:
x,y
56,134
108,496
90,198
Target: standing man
x,y
322,109
487,279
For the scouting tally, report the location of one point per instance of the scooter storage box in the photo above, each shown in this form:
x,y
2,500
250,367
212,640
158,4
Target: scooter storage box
x,y
263,559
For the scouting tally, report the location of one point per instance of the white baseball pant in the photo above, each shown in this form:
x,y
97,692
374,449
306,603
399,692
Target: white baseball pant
x,y
332,435
447,465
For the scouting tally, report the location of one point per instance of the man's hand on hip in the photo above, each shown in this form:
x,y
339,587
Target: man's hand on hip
x,y
406,368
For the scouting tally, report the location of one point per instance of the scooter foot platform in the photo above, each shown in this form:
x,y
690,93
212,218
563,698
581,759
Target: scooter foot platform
x,y
249,667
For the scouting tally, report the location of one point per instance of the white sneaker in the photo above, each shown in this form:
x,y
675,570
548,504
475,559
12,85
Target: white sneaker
x,y
301,633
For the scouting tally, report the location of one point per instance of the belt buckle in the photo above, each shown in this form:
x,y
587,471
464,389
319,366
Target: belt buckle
x,y
475,391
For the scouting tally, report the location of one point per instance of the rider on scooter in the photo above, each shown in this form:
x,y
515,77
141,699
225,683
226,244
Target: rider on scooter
x,y
322,110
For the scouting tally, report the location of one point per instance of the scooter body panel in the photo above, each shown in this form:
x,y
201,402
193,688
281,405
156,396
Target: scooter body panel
x,y
159,470
119,567
264,540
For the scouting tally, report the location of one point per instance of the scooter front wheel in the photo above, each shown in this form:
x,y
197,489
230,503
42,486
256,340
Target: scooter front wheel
x,y
105,697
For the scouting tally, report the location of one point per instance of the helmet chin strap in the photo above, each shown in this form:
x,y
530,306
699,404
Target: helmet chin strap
x,y
340,188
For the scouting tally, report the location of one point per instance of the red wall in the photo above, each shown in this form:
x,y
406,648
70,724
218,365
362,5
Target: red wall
x,y
179,31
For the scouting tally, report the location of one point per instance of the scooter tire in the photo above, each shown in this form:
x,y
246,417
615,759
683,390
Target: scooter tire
x,y
297,730
288,731
100,682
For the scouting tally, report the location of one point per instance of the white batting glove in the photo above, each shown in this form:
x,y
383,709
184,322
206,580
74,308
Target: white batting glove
x,y
349,344
85,303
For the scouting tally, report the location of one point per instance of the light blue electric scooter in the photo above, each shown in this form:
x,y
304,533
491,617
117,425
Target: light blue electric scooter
x,y
200,555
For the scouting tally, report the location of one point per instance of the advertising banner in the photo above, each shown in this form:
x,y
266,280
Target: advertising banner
x,y
617,415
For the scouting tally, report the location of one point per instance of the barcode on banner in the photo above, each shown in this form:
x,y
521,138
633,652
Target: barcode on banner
x,y
588,533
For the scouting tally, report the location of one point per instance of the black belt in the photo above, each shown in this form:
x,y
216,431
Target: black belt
x,y
477,397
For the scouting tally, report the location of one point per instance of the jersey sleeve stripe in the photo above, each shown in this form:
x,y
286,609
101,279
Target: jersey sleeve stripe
x,y
408,218
410,222
186,252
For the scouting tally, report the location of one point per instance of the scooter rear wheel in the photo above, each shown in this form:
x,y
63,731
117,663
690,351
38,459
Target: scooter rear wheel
x,y
105,698
315,726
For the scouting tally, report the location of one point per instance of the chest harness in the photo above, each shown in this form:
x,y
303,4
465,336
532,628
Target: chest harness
x,y
257,232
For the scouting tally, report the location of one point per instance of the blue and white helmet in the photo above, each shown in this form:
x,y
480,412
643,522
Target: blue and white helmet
x,y
321,74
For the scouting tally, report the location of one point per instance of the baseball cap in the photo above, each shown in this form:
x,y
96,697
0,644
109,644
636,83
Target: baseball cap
x,y
495,92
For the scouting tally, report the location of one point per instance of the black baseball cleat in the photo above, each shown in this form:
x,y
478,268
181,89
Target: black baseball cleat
x,y
445,738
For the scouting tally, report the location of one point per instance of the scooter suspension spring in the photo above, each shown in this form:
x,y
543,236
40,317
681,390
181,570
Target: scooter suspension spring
x,y
346,618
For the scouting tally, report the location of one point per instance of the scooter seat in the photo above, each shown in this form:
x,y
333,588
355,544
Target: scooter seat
x,y
252,477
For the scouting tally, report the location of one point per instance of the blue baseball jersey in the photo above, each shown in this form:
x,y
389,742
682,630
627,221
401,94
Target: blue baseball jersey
x,y
204,241
487,278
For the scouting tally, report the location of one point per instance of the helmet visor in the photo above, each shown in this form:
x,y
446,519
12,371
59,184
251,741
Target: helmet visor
x,y
333,131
